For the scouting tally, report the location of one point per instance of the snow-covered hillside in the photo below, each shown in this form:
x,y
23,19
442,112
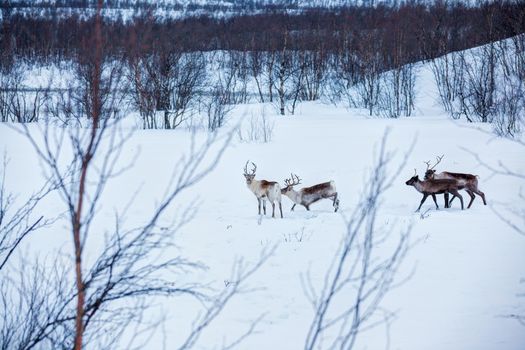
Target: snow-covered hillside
x,y
461,277
163,9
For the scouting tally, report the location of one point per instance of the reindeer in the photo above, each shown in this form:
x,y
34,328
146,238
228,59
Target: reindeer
x,y
308,195
468,182
263,190
433,187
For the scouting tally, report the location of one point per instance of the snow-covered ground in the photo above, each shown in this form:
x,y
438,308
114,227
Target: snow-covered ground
x,y
464,268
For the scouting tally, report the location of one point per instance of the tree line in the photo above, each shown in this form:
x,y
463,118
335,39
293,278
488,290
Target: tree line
x,y
424,31
362,56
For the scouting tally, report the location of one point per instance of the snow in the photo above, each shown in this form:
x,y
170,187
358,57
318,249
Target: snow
x,y
174,9
463,271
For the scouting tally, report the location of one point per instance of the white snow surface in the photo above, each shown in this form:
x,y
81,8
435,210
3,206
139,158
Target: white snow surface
x,y
466,267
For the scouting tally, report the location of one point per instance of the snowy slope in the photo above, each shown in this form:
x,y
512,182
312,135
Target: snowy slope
x,y
181,8
465,266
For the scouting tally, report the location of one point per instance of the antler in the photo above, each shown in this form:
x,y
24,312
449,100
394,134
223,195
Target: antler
x,y
438,160
294,180
252,171
415,171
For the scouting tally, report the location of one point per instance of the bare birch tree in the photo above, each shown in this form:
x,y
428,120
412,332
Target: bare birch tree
x,y
360,276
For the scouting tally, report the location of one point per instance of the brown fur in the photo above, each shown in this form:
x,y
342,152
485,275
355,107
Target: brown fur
x,y
316,188
469,183
263,190
266,184
309,195
433,187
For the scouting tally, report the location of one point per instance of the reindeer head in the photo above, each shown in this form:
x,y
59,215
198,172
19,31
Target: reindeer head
x,y
430,172
290,183
413,180
249,176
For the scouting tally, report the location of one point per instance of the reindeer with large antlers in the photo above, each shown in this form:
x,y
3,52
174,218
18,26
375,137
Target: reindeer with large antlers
x,y
432,187
308,195
263,190
468,182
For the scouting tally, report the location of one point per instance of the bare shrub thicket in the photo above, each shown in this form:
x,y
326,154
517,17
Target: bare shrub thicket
x,y
286,56
167,82
477,98
233,76
449,76
368,86
362,272
217,107
19,104
356,77
398,92
485,84
255,63
344,76
259,128
362,79
509,118
314,73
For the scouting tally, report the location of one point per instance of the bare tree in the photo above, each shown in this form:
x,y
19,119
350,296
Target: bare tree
x,y
143,92
449,76
510,100
314,74
217,108
167,81
259,128
344,75
512,215
360,276
484,84
233,76
112,289
397,92
478,96
256,65
282,74
370,67
17,217
17,103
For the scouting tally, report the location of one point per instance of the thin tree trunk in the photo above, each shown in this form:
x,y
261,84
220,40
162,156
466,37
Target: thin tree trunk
x,y
88,156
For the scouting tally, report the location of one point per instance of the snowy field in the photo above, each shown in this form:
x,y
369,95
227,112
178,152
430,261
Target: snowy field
x,y
461,277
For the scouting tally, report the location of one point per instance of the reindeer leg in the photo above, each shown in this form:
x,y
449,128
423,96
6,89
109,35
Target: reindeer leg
x,y
259,204
307,207
447,203
273,210
482,195
456,193
264,206
472,196
293,207
422,201
450,203
336,203
281,209
435,201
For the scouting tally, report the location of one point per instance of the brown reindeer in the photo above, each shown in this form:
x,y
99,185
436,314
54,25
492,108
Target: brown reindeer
x,y
433,187
468,182
308,195
263,190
